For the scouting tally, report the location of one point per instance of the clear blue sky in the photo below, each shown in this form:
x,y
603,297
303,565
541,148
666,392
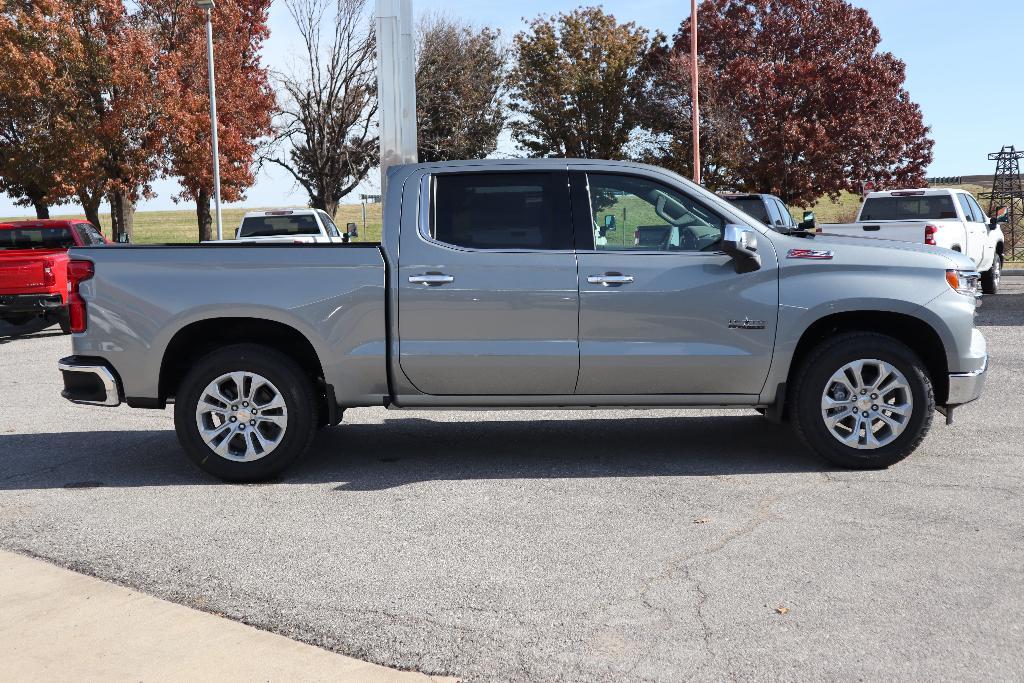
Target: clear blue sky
x,y
966,78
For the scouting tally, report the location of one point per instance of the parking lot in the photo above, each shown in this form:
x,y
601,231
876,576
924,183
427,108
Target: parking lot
x,y
544,545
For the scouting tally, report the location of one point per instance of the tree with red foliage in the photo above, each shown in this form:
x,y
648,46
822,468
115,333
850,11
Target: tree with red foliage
x,y
245,100
815,108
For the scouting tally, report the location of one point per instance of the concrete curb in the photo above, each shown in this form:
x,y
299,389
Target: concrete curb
x,y
59,625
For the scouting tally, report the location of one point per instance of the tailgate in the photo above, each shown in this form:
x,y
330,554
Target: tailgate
x,y
900,231
18,276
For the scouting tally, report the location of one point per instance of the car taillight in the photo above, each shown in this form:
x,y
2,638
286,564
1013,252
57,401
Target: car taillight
x,y
929,234
49,279
78,272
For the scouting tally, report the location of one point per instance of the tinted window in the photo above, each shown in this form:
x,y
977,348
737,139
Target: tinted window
x,y
332,229
965,206
979,215
270,226
933,207
773,212
751,205
502,210
89,234
787,217
36,238
630,213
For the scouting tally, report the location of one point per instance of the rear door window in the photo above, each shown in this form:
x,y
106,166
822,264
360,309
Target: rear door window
x,y
273,226
90,235
502,210
913,208
979,215
332,229
787,217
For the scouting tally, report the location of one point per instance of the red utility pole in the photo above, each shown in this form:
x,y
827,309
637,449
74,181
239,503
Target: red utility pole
x,y
693,84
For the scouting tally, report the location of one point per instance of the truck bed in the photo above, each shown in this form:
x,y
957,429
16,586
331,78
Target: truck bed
x,y
141,297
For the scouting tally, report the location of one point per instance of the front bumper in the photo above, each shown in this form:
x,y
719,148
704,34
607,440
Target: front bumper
x,y
30,303
89,381
965,387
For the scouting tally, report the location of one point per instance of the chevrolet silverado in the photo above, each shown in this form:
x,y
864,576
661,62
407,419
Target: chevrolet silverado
x,y
500,283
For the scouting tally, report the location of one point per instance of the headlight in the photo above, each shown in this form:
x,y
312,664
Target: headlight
x,y
966,282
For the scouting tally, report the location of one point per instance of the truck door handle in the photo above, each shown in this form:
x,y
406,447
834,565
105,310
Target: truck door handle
x,y
431,279
610,279
872,228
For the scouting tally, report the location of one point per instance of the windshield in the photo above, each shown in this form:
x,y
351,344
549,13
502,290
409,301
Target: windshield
x,y
920,208
36,238
753,206
272,226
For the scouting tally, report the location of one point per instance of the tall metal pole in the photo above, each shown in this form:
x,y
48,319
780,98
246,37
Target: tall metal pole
x,y
694,83
396,86
213,120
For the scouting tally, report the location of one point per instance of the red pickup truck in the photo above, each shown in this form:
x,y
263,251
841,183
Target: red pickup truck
x,y
33,268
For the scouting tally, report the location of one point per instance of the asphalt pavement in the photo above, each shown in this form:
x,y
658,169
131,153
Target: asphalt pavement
x,y
546,545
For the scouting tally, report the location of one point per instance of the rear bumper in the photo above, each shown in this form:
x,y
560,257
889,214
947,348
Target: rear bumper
x,y
90,381
30,303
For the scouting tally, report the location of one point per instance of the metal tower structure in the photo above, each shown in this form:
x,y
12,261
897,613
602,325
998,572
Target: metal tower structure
x,y
1007,191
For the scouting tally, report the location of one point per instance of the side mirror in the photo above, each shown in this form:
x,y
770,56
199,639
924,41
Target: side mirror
x,y
740,242
123,238
1002,215
609,223
352,230
810,223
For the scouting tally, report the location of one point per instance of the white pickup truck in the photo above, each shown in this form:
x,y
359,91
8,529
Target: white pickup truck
x,y
941,217
292,226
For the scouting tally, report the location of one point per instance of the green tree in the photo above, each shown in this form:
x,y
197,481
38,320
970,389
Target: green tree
x,y
460,107
579,84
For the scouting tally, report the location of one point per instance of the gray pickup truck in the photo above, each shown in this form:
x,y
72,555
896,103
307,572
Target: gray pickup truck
x,y
526,283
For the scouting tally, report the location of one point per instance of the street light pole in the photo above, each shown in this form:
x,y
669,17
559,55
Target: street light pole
x,y
208,5
694,82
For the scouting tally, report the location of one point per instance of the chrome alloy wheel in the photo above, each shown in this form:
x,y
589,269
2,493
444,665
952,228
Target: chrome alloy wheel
x,y
867,404
241,416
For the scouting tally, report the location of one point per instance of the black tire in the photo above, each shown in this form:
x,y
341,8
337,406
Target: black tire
x,y
64,320
990,278
813,378
295,388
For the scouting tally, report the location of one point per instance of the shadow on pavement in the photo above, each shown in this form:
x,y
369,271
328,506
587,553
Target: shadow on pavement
x,y
371,457
34,328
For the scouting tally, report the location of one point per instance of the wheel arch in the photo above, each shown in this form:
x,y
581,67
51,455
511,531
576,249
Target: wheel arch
x,y
195,340
916,333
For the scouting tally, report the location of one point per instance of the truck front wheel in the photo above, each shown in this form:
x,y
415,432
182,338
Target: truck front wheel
x,y
863,400
990,278
245,413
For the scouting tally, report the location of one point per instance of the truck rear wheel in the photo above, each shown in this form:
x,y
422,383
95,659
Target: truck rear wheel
x,y
245,413
863,400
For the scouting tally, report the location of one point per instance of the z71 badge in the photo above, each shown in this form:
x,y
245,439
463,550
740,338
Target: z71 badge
x,y
815,254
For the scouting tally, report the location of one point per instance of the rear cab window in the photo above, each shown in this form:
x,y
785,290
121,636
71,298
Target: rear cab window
x,y
36,238
909,208
279,225
502,210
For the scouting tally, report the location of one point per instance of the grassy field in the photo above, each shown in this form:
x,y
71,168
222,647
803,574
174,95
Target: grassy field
x,y
163,227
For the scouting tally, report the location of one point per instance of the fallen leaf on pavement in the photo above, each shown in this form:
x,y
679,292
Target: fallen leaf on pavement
x,y
702,520
782,610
